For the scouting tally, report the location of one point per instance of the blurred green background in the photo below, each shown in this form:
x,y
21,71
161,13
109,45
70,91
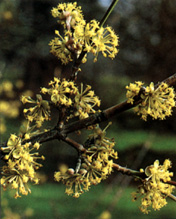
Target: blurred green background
x,y
147,31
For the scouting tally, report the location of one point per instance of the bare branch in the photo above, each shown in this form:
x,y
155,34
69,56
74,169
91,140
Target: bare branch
x,y
91,120
74,144
173,197
128,171
112,111
170,81
171,183
44,137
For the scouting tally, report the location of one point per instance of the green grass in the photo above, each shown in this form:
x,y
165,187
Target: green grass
x,y
125,139
50,201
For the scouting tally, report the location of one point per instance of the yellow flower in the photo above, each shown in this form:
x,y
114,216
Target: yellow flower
x,y
26,99
157,103
96,165
15,185
14,142
79,36
85,100
36,145
21,165
66,11
39,113
154,188
27,136
60,49
133,90
61,91
105,41
97,39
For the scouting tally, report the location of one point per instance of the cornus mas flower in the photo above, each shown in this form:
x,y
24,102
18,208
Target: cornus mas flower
x,y
68,12
75,183
155,189
38,113
133,90
156,102
81,36
96,165
99,39
61,91
21,165
70,16
85,100
59,48
66,93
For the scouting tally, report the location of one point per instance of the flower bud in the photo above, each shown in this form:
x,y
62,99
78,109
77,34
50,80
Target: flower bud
x,y
71,171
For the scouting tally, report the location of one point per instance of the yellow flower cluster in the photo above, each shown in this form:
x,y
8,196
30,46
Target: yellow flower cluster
x,y
66,93
156,102
21,165
81,36
96,165
60,48
99,39
39,113
66,11
85,100
61,91
155,188
133,90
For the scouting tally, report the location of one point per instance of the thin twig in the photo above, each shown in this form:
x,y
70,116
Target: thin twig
x,y
173,197
108,12
128,171
171,183
74,144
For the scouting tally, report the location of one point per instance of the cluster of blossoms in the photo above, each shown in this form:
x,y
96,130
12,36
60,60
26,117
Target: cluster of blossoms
x,y
133,90
39,113
61,92
97,164
85,100
21,165
156,102
66,93
80,36
155,188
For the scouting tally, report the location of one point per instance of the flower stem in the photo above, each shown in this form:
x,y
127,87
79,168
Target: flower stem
x,y
108,12
128,171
